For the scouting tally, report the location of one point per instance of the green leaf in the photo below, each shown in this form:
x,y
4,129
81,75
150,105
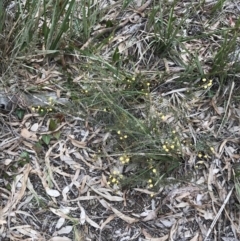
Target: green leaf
x,y
24,158
42,111
20,113
38,147
57,134
116,55
109,24
52,125
64,23
24,155
46,139
46,30
237,188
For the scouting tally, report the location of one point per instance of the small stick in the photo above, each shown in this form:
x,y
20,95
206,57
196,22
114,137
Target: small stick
x,y
218,215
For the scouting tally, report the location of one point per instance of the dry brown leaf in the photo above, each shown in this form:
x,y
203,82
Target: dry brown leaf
x,y
149,237
152,214
83,198
50,132
124,217
2,221
118,213
183,195
23,178
215,26
65,191
7,162
104,181
167,222
61,172
79,144
145,191
92,223
49,169
173,230
52,192
108,220
64,230
84,181
182,205
28,231
34,127
195,238
29,145
210,181
206,214
78,78
108,197
60,239
70,162
60,223
79,156
74,182
104,203
82,215
28,135
59,212
180,191
8,142
26,117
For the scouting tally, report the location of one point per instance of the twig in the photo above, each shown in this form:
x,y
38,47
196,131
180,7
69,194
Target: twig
x,y
229,98
218,215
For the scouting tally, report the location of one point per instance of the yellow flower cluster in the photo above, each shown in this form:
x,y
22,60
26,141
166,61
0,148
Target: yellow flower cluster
x,y
131,80
212,149
121,136
40,109
206,84
200,155
150,184
173,145
161,116
203,160
154,170
146,89
50,101
114,178
124,159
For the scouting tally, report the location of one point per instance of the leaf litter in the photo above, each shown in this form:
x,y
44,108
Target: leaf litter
x,y
67,174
